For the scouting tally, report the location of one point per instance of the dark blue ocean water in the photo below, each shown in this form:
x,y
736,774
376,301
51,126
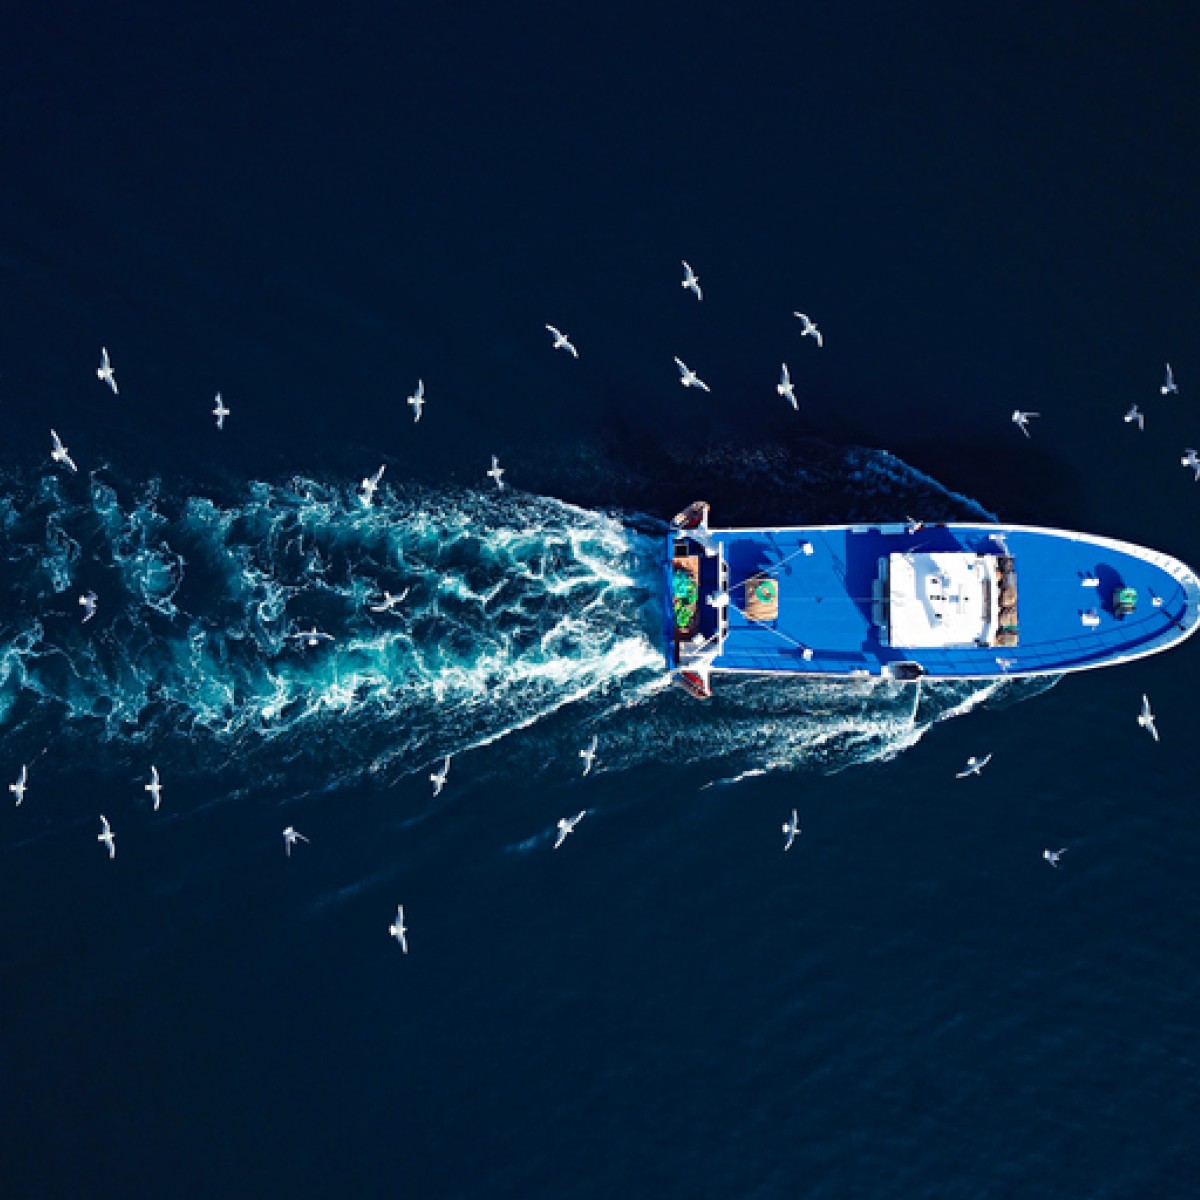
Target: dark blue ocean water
x,y
308,209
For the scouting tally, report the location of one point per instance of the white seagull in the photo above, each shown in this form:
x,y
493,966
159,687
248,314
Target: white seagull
x,y
496,472
312,637
790,829
290,838
691,280
108,837
18,788
1169,382
785,389
220,412
154,787
1021,420
809,330
104,371
399,931
368,487
566,826
1190,459
1135,415
88,600
417,400
589,755
1052,856
688,377
562,342
438,778
389,602
1146,718
974,766
60,453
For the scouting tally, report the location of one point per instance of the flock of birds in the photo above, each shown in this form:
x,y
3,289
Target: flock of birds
x,y
389,603
1021,418
975,765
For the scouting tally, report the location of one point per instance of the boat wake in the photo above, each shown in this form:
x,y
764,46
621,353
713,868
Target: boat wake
x,y
527,623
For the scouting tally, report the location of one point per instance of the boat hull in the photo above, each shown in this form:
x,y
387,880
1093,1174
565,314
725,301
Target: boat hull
x,y
837,611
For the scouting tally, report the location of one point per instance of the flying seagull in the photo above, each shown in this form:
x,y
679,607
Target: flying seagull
x,y
809,330
154,787
104,371
1052,856
589,755
785,389
566,826
562,342
1169,382
312,637
60,454
389,602
367,489
220,412
790,829
417,400
18,788
88,600
691,280
438,778
1190,459
399,931
1135,415
1146,718
290,838
496,472
688,377
108,837
1021,420
974,766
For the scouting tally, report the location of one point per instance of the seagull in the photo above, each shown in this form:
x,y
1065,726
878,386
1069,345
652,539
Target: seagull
x,y
60,454
688,377
389,601
974,766
562,342
88,600
105,372
1190,459
313,636
366,491
1052,856
108,837
1169,382
154,787
810,330
691,280
220,412
496,471
566,826
1146,718
18,788
784,387
1020,420
790,829
290,838
417,400
398,930
1136,414
438,778
589,755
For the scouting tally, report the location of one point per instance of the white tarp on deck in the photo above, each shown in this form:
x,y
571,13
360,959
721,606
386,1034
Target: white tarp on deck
x,y
939,599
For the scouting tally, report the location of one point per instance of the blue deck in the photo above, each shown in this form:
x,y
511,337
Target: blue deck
x,y
825,600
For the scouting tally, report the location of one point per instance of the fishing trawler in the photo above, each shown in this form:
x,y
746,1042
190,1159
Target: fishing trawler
x,y
911,600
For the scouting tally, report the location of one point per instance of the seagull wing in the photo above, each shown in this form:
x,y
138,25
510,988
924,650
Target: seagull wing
x,y
557,333
683,369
